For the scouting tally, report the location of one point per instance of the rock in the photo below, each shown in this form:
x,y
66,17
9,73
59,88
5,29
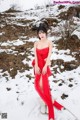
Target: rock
x,y
64,96
8,89
70,85
60,84
70,79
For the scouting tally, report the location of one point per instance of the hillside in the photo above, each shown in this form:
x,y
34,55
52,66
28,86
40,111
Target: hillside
x,y
17,36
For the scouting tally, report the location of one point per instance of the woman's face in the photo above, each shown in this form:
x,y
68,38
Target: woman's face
x,y
42,35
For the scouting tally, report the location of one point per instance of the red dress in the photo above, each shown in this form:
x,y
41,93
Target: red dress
x,y
45,94
42,55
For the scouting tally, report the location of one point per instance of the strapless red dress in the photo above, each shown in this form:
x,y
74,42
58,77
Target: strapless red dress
x,y
42,55
45,94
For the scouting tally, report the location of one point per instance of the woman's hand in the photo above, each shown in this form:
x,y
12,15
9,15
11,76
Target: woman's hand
x,y
44,70
37,69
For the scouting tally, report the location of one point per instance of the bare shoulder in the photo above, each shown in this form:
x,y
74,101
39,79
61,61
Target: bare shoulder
x,y
50,42
35,43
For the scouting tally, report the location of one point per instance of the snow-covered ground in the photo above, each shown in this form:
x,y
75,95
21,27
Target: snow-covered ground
x,y
25,5
22,5
18,97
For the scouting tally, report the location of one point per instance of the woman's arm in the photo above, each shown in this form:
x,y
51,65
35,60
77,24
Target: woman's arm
x,y
49,54
36,60
36,68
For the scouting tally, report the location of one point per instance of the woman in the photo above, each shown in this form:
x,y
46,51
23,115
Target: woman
x,y
41,64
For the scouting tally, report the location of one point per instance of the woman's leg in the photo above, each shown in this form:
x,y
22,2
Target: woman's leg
x,y
40,83
44,93
46,89
42,103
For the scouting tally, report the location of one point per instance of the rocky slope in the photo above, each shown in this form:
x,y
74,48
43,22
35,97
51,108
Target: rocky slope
x,y
21,26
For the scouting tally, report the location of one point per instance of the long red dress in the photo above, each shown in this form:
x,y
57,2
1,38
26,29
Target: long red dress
x,y
45,94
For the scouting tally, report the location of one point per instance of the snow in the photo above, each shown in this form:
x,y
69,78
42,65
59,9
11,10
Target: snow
x,y
4,5
77,32
11,43
76,20
21,5
22,101
8,51
1,33
30,4
25,104
61,54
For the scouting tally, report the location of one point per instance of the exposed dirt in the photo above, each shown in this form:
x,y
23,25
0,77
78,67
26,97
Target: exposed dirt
x,y
72,11
13,32
14,29
12,62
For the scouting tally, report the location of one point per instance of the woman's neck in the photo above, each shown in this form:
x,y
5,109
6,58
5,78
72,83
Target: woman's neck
x,y
43,40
